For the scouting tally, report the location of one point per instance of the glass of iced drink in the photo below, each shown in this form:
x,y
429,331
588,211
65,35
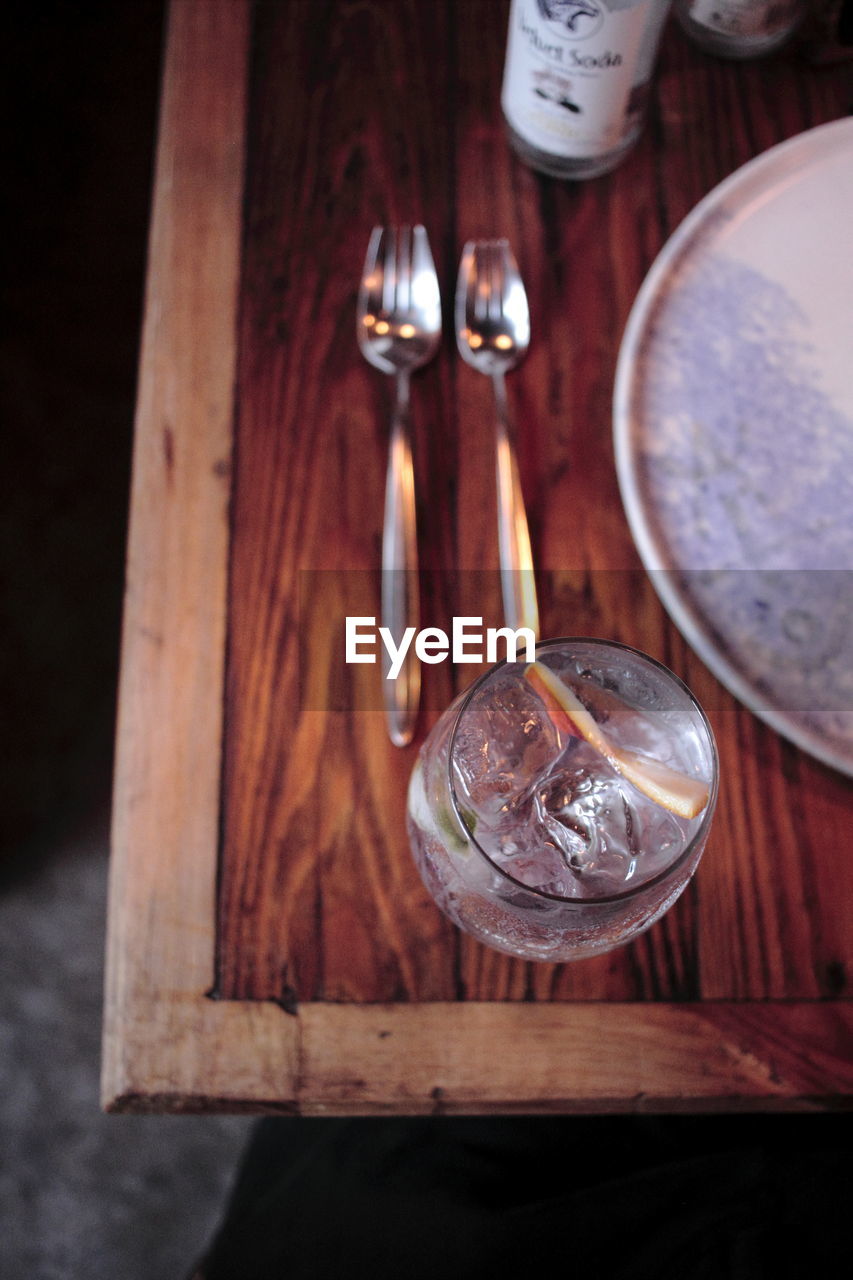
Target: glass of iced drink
x,y
557,809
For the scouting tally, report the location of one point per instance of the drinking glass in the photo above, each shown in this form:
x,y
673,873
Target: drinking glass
x,y
542,838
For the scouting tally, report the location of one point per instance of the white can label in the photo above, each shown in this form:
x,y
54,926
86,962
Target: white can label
x,y
572,67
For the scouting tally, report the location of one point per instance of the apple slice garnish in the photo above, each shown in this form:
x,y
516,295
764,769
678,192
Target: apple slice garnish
x,y
676,791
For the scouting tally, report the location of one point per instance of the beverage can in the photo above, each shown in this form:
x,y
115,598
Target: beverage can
x,y
576,80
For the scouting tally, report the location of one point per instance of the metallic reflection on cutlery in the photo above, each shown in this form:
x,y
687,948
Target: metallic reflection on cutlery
x,y
399,329
493,333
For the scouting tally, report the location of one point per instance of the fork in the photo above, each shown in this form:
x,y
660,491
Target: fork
x,y
399,329
492,334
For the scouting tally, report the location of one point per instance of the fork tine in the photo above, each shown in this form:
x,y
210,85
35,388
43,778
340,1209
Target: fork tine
x,y
481,282
474,284
462,297
515,303
426,295
389,271
371,276
404,269
421,255
373,246
502,255
495,278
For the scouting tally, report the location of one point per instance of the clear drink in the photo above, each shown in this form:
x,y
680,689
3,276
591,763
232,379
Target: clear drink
x,y
536,832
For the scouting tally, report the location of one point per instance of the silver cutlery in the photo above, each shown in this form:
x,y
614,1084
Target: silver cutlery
x,y
492,334
399,329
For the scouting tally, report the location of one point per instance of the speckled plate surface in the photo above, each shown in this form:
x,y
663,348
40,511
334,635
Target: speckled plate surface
x,y
733,420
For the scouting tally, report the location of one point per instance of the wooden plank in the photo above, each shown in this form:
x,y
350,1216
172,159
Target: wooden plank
x,y
773,910
318,893
514,1057
168,757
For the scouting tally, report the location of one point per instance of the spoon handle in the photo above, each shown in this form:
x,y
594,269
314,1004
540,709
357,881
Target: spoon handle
x,y
400,590
516,558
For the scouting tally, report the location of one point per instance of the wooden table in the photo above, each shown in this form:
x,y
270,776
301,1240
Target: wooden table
x,y
270,944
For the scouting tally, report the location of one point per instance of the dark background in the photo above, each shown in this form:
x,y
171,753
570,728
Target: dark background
x,y
81,1193
80,83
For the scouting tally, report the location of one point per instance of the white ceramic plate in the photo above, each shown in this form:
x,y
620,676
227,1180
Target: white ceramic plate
x,y
733,421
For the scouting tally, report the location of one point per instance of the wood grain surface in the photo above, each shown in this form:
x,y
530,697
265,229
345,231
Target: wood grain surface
x,y
379,112
166,790
258,843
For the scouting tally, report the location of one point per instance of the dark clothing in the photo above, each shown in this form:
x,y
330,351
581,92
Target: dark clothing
x,y
692,1198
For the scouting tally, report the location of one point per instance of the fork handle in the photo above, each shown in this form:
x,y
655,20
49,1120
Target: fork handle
x,y
400,602
516,558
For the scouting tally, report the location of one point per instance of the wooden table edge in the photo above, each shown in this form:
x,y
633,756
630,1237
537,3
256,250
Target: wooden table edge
x,y
165,819
499,1058
166,1045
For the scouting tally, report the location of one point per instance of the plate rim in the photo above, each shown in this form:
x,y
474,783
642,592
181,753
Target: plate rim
x,y
687,618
